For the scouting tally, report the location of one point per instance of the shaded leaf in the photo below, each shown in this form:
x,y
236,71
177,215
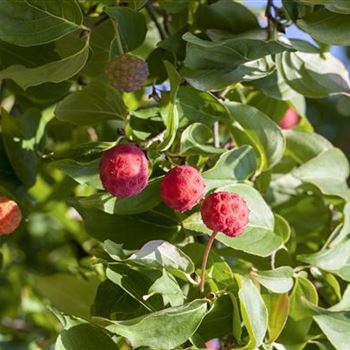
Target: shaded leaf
x,y
131,26
84,173
278,281
68,293
234,165
96,103
194,141
277,307
53,72
327,27
314,75
328,171
38,22
146,200
254,312
257,129
165,329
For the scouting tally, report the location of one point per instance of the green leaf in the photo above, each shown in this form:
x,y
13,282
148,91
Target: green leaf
x,y
131,26
335,260
338,6
68,293
274,85
173,6
335,325
300,317
162,254
255,128
264,233
309,216
277,308
131,230
169,112
214,65
327,27
19,137
136,283
96,103
84,173
226,15
165,329
38,22
253,311
146,200
328,171
344,303
314,75
53,72
303,146
234,165
101,38
84,336
195,139
199,106
218,321
277,281
168,288
112,302
344,231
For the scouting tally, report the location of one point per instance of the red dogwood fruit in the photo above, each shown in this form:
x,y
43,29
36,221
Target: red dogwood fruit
x,y
10,216
124,170
225,212
182,188
289,120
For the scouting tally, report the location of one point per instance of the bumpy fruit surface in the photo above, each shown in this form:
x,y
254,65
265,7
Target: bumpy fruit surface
x,y
289,120
182,188
127,73
124,170
225,212
10,216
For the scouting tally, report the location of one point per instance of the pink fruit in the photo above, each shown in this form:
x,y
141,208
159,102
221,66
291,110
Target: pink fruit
x,y
289,120
124,170
10,216
213,344
225,212
127,73
182,188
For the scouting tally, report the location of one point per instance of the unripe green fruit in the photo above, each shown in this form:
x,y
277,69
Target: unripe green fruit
x,y
127,73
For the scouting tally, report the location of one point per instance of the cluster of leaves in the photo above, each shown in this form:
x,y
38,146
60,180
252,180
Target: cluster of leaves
x,y
123,273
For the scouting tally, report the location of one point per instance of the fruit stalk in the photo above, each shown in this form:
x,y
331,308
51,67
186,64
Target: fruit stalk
x,y
205,260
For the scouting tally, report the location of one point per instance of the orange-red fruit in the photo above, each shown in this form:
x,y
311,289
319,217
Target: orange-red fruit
x,y
182,188
289,120
124,170
225,212
10,216
127,73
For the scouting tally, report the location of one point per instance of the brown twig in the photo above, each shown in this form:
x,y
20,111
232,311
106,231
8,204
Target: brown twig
x,y
152,14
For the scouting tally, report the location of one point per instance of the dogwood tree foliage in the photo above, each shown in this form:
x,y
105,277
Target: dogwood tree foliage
x,y
87,270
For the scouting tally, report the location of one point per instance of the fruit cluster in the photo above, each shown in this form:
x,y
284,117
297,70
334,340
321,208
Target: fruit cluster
x,y
124,173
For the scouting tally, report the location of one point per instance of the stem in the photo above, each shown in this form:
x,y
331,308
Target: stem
x,y
152,14
118,40
273,260
270,19
205,260
216,135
